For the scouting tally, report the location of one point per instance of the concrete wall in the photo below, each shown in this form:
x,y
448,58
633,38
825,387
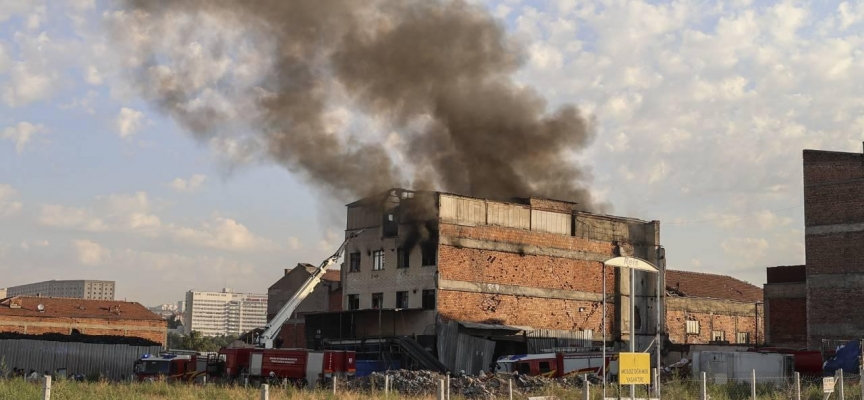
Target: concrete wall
x,y
155,330
730,317
834,221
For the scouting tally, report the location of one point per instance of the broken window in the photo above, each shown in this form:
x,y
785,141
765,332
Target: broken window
x,y
401,258
377,300
545,367
353,301
390,226
743,338
430,254
401,299
429,299
377,260
354,262
718,336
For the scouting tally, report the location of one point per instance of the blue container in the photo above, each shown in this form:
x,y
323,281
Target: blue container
x,y
367,367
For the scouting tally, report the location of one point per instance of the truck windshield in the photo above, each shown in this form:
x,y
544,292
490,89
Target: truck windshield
x,y
154,367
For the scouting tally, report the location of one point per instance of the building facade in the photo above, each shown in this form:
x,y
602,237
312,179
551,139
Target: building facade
x,y
533,263
67,316
2,293
786,306
706,308
327,296
834,233
78,289
224,313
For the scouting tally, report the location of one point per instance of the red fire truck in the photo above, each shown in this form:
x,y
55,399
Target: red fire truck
x,y
178,365
300,366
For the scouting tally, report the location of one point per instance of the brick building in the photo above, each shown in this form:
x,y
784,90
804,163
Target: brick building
x,y
786,306
707,308
529,263
80,289
327,296
41,315
834,233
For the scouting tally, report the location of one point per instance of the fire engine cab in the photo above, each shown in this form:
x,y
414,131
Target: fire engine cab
x,y
177,365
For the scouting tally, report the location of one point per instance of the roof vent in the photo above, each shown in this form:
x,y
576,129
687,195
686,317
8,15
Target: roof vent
x,y
41,308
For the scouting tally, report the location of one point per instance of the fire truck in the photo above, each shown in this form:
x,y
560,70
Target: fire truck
x,y
178,366
560,364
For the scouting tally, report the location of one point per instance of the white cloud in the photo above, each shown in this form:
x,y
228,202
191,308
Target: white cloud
x,y
188,185
26,86
8,207
22,133
134,214
222,233
93,76
745,251
294,243
128,122
331,239
90,252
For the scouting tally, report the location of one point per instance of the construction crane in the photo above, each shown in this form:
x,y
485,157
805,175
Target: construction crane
x,y
271,330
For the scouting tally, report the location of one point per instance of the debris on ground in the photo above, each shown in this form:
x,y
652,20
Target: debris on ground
x,y
486,386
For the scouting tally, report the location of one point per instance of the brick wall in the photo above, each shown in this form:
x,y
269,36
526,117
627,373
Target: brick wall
x,y
787,319
526,237
529,270
523,311
152,330
676,325
293,335
834,220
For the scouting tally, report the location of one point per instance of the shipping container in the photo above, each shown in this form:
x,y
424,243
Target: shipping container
x,y
739,366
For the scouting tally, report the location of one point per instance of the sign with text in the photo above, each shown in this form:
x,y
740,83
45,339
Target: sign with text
x,y
634,368
827,385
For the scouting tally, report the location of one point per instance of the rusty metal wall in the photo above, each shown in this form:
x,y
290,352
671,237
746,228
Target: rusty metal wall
x,y
114,361
544,340
447,335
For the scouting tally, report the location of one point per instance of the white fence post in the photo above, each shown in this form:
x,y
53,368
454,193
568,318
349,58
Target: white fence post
x,y
753,386
587,392
510,388
440,389
704,394
797,386
265,392
46,390
334,384
842,391
386,386
448,386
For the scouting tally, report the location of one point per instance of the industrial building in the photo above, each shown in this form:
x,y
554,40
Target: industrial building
x,y
224,313
78,289
3,293
75,317
834,232
327,296
786,306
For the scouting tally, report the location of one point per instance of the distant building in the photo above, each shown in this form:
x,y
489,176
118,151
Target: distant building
x,y
224,313
77,289
327,296
65,316
181,306
2,293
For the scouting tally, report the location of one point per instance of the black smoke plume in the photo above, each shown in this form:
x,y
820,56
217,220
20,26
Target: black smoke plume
x,y
440,73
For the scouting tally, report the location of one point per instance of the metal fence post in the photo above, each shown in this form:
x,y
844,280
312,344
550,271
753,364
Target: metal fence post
x,y
448,387
510,388
440,389
797,386
842,391
46,390
386,386
265,392
334,384
704,394
753,386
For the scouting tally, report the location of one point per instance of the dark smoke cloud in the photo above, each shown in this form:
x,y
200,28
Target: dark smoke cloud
x,y
446,64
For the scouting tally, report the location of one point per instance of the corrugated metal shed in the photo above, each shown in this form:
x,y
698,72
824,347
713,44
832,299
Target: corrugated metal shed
x,y
113,361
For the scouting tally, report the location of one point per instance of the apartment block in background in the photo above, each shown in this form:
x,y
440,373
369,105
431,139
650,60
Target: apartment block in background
x,y
76,289
224,313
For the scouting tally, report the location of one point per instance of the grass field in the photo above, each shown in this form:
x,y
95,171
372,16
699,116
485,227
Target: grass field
x,y
18,389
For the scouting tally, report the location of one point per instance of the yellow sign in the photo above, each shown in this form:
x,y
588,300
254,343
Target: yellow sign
x,y
634,368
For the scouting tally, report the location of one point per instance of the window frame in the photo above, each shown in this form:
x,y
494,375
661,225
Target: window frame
x,y
378,255
425,303
352,266
402,297
353,302
402,258
380,298
427,259
696,330
714,336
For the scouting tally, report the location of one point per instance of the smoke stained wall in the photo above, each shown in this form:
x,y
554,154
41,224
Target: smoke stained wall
x,y
438,73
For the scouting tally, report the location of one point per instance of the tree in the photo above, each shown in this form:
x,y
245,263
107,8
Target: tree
x,y
195,341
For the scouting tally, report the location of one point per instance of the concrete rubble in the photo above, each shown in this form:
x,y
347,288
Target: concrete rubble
x,y
425,383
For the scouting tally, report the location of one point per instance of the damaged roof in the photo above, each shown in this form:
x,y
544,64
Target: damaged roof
x,y
711,286
56,307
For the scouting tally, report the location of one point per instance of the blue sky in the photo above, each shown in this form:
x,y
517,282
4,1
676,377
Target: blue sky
x,y
702,108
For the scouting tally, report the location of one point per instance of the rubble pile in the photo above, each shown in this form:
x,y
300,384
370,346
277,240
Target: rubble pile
x,y
485,386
